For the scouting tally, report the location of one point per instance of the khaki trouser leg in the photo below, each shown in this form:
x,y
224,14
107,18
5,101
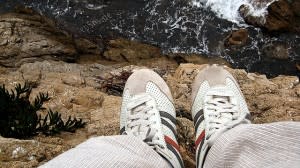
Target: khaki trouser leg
x,y
109,152
257,145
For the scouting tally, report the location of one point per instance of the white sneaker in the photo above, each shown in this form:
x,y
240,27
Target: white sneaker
x,y
148,113
217,106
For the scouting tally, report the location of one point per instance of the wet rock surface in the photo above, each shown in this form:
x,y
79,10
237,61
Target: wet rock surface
x,y
276,51
283,15
237,38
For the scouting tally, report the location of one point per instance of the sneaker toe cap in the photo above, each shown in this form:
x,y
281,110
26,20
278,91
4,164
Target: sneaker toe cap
x,y
214,75
138,81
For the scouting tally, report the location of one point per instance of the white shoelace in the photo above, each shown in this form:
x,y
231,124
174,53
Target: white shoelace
x,y
141,108
222,113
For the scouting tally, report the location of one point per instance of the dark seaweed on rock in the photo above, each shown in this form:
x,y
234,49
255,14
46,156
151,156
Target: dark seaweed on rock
x,y
115,84
19,117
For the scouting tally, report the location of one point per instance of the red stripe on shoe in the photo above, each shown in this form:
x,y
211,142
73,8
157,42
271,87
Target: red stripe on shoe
x,y
200,138
171,142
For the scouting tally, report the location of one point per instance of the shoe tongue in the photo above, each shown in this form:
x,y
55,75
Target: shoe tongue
x,y
137,105
138,100
222,100
220,91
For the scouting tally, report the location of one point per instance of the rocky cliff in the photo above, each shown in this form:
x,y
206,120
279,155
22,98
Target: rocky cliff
x,y
90,87
93,92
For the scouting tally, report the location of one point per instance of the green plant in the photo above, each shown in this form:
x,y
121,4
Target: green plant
x,y
19,117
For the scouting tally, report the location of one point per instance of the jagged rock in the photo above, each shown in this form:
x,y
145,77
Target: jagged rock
x,y
29,153
86,47
296,7
186,139
197,59
123,50
280,16
298,66
237,38
283,15
276,50
244,11
31,37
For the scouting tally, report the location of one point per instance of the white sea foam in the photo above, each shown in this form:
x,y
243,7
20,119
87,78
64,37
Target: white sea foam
x,y
228,9
94,7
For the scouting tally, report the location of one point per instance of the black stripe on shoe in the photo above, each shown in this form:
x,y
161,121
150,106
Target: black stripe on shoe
x,y
168,116
167,124
199,113
171,148
122,130
204,158
199,151
201,118
248,116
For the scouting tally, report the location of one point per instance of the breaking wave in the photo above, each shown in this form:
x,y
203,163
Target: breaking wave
x,y
229,9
